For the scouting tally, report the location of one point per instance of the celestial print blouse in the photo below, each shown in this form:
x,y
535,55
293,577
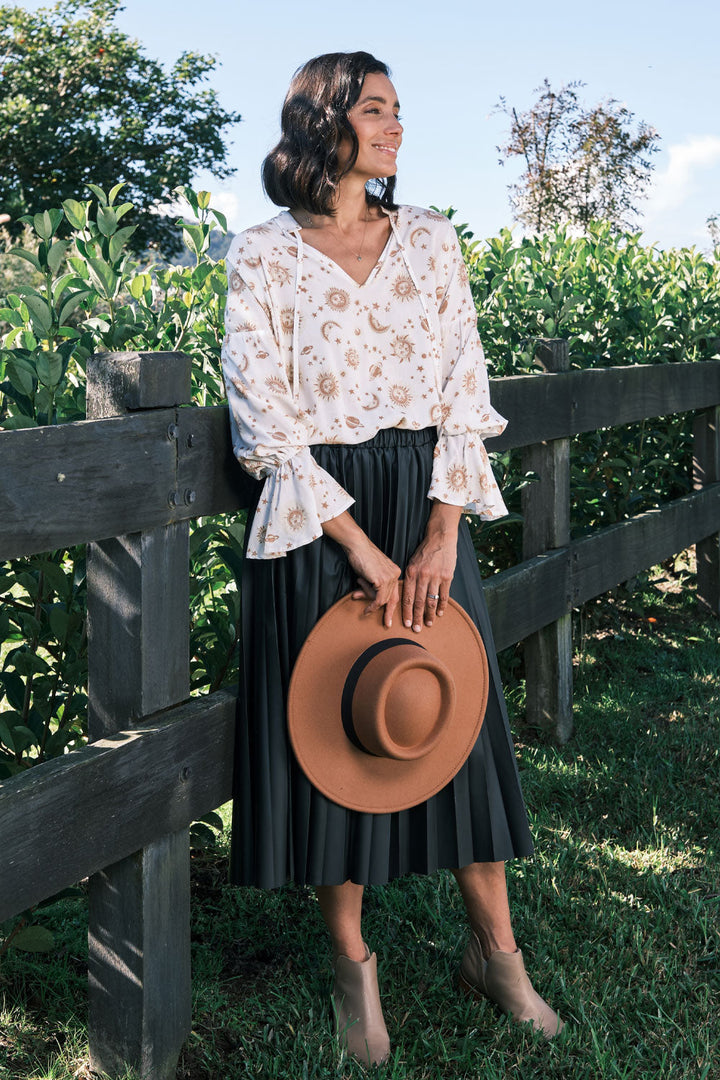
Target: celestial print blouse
x,y
310,357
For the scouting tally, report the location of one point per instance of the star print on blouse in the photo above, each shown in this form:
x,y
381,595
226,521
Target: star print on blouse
x,y
401,350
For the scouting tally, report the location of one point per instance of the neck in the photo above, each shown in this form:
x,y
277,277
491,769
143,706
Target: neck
x,y
351,203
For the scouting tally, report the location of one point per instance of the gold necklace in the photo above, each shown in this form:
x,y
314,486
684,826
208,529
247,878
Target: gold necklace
x,y
356,254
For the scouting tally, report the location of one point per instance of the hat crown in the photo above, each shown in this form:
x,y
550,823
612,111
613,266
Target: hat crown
x,y
402,701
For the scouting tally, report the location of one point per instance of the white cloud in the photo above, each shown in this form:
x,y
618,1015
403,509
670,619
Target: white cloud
x,y
228,204
679,181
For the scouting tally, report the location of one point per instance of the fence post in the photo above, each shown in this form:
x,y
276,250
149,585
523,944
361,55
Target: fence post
x,y
546,526
706,470
138,644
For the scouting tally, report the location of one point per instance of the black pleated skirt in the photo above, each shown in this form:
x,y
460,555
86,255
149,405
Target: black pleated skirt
x,y
283,828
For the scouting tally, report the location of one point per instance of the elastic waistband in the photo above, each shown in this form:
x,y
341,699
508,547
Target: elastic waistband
x,y
389,437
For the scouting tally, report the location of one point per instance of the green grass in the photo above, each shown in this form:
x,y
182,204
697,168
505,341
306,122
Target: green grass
x,y
617,912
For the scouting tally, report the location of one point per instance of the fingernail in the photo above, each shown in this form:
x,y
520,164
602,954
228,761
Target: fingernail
x,y
417,628
407,623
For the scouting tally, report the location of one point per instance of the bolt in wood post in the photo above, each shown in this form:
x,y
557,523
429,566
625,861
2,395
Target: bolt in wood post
x,y
546,513
706,470
138,645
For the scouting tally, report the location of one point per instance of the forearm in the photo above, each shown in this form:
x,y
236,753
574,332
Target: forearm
x,y
345,531
443,521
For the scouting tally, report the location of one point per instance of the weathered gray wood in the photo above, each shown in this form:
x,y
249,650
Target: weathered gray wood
x,y
527,597
95,806
546,527
706,470
128,977
73,483
554,406
69,483
125,381
210,480
615,554
138,626
138,662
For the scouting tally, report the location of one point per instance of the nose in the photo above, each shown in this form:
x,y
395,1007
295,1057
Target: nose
x,y
394,126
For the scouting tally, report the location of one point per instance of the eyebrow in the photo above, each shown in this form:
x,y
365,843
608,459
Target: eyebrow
x,y
379,98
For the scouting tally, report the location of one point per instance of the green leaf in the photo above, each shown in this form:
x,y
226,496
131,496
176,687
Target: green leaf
x,y
49,368
220,218
24,738
71,303
139,286
20,378
59,621
196,238
34,939
98,193
6,736
114,192
106,220
203,199
105,277
29,255
41,315
119,240
42,223
76,213
56,254
18,422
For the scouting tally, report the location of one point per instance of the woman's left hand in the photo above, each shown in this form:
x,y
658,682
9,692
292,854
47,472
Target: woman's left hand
x,y
426,586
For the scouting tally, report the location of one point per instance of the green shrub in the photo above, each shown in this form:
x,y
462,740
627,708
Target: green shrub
x,y
616,301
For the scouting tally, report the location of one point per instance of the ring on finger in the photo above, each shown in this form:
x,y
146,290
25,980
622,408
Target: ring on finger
x,y
432,596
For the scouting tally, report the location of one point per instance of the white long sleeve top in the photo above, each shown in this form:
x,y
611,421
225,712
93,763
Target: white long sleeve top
x,y
310,357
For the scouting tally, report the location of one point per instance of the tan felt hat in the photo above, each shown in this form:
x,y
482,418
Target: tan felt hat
x,y
381,719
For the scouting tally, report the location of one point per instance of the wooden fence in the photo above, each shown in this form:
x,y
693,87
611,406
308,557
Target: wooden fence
x,y
127,481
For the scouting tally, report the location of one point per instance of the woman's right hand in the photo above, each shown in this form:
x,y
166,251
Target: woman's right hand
x,y
377,575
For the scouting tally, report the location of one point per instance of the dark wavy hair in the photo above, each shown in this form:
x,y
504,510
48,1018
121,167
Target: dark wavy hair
x,y
303,170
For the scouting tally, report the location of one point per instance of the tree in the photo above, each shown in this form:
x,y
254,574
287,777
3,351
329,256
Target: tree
x,y
82,103
581,164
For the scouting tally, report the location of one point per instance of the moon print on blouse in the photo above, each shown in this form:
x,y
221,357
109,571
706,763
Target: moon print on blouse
x,y
418,232
324,329
376,325
374,401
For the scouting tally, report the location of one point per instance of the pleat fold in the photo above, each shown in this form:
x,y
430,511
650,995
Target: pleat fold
x,y
284,829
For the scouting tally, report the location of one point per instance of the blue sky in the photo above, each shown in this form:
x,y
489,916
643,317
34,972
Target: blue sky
x,y
451,60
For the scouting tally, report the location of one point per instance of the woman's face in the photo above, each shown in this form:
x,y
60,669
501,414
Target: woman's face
x,y
374,119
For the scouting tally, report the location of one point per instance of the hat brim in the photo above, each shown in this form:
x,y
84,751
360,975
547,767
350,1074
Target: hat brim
x,y
346,774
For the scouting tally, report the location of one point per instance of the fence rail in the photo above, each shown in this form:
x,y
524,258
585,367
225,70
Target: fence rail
x,y
126,482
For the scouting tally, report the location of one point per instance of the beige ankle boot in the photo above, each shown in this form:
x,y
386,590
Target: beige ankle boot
x,y
504,981
358,1013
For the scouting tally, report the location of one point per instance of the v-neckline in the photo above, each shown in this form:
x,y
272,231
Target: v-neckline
x,y
337,267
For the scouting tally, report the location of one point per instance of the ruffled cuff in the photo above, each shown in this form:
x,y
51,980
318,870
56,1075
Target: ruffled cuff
x,y
462,476
297,498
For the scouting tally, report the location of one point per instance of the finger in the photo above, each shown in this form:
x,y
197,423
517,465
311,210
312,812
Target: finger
x,y
408,599
365,590
419,608
432,601
390,606
443,601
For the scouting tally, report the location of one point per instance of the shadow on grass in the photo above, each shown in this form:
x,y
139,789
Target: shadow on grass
x,y
617,913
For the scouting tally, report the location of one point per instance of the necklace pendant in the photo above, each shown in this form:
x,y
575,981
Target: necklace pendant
x,y
359,258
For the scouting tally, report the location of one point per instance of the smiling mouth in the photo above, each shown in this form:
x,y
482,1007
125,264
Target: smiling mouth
x,y
386,148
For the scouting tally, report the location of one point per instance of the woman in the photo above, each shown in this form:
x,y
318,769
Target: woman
x,y
358,392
